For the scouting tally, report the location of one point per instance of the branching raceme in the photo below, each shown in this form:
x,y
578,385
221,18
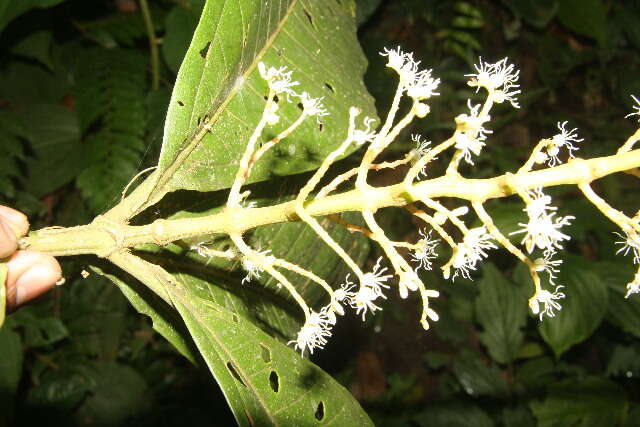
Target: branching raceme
x,y
361,290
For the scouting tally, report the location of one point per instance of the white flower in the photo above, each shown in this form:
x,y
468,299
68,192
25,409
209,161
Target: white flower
x,y
542,230
421,150
367,135
470,134
472,249
631,243
469,145
635,107
278,79
539,205
423,86
252,267
343,294
565,138
548,299
312,106
634,286
499,79
370,290
548,265
375,279
422,147
403,63
363,300
426,251
314,333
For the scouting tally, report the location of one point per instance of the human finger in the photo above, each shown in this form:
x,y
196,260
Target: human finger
x,y
29,275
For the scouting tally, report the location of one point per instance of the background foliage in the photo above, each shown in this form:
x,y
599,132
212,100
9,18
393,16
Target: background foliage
x,y
78,119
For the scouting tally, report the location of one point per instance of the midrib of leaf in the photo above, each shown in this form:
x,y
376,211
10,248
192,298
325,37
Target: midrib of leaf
x,y
159,187
186,303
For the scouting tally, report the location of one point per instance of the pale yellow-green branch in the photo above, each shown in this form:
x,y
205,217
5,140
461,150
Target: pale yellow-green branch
x,y
103,236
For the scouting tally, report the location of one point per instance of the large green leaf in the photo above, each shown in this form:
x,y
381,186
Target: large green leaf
x,y
501,309
219,84
582,310
264,381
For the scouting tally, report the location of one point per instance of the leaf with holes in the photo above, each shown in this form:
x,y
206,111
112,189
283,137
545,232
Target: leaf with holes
x,y
264,381
218,85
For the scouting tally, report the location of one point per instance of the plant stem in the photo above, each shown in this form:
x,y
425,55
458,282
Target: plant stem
x,y
153,45
104,236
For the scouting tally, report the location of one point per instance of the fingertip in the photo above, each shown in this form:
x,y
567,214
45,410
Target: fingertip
x,y
8,240
18,221
30,274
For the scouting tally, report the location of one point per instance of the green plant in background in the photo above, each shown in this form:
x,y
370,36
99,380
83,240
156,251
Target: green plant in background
x,y
218,273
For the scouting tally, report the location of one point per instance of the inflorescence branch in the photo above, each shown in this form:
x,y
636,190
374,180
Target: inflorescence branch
x,y
542,234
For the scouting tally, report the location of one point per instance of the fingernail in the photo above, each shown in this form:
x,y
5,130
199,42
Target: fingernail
x,y
34,282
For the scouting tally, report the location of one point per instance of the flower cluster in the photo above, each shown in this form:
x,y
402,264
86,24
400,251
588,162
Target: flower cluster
x,y
370,290
565,138
542,230
630,243
548,300
279,81
419,84
499,79
314,333
425,252
472,250
470,132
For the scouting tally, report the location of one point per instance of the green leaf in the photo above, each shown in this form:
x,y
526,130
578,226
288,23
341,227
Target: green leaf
x,y
54,134
453,414
10,9
265,387
592,401
624,361
519,416
180,25
110,91
104,393
117,394
586,17
265,382
537,13
478,379
36,46
623,312
10,370
164,319
583,308
3,293
501,310
39,331
219,84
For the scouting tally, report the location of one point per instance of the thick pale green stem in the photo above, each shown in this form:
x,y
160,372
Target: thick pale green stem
x,y
103,237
